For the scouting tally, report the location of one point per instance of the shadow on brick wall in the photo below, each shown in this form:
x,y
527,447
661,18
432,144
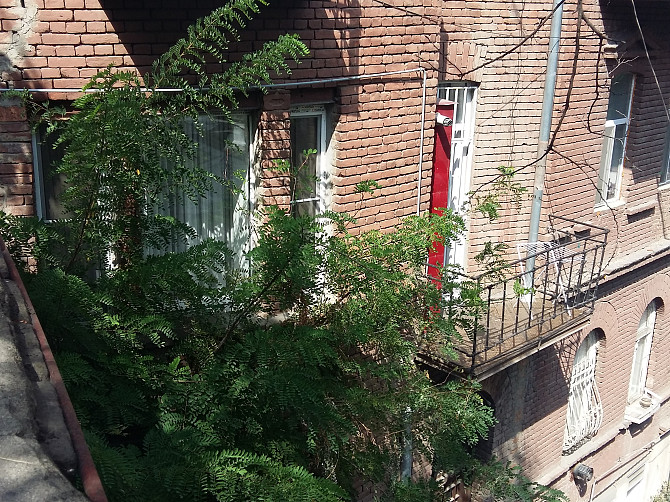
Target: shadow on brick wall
x,y
529,398
147,29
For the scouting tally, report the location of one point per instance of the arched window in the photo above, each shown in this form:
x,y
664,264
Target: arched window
x,y
645,335
585,411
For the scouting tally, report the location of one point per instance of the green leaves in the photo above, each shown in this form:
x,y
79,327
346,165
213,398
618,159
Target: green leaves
x,y
207,42
290,381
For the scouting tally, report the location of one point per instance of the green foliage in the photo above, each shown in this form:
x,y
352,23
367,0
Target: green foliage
x,y
263,386
664,495
198,382
506,483
367,186
520,290
186,64
126,150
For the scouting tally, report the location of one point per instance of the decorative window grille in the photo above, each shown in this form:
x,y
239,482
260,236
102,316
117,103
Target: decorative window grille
x,y
585,411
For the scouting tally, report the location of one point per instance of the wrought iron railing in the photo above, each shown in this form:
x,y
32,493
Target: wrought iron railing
x,y
513,308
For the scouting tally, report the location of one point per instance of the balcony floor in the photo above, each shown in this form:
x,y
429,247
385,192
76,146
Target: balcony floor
x,y
519,332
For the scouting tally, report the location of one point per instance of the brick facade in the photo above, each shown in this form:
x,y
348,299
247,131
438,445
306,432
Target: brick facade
x,y
16,180
375,132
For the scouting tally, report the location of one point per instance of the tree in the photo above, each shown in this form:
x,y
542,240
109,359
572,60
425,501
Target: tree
x,y
197,381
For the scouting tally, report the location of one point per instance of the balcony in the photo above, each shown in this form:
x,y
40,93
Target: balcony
x,y
524,305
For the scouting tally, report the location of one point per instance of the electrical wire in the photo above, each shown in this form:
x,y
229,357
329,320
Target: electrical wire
x,y
651,66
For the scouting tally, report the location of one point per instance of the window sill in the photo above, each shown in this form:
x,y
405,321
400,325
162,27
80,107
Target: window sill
x,y
641,208
643,408
662,187
601,207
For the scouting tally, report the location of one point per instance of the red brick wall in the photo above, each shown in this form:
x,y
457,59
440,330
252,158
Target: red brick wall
x,y
377,131
481,41
61,43
15,160
572,175
531,396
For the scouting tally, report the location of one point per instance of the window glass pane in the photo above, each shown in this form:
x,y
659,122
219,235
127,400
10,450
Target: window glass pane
x,y
637,379
614,141
620,96
665,167
645,333
616,162
305,135
52,184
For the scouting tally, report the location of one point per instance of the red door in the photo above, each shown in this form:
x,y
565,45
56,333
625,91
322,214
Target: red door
x,y
439,192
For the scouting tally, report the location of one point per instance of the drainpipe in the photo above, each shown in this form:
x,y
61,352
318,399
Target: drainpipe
x,y
406,460
545,124
421,140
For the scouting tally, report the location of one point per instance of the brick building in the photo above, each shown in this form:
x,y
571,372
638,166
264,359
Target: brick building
x,y
570,349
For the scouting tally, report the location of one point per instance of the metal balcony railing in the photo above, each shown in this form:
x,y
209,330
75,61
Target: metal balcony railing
x,y
514,308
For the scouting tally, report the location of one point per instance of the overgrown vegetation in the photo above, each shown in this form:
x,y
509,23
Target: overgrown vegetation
x,y
295,380
664,495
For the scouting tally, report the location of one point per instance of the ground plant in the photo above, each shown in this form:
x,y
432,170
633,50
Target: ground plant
x,y
291,380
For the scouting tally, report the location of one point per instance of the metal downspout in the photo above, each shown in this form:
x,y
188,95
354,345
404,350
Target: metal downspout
x,y
406,459
421,140
545,124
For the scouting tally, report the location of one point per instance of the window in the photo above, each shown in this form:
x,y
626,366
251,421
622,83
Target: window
x,y
223,213
464,96
309,179
614,143
665,167
638,374
49,185
635,490
585,411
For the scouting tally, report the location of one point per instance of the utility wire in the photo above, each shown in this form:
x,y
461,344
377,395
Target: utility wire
x,y
523,40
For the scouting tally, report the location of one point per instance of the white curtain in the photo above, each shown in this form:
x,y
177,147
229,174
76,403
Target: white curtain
x,y
223,213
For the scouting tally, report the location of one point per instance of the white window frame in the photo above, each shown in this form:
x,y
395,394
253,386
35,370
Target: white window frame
x,y
322,174
464,97
584,413
641,354
615,119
